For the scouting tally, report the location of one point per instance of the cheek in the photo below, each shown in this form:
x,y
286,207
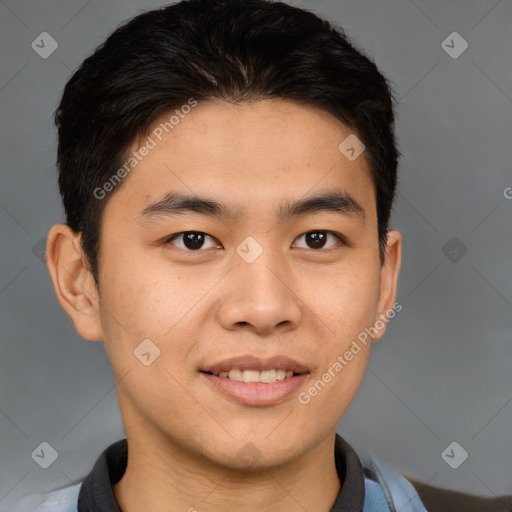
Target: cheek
x,y
329,394
345,302
138,291
141,303
146,306
146,299
137,303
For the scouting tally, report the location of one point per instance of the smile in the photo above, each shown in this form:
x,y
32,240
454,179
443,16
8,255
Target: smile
x,y
252,392
264,376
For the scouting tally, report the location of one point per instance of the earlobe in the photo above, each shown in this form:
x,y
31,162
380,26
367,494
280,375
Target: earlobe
x,y
388,284
73,282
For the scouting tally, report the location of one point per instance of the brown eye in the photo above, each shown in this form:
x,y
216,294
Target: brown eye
x,y
192,240
317,239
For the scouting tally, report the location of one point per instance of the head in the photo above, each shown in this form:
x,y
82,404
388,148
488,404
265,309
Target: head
x,y
185,141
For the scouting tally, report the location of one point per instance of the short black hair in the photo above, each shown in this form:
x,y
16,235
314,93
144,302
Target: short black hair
x,y
232,50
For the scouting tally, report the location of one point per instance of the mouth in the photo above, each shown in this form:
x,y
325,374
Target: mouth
x,y
251,381
267,376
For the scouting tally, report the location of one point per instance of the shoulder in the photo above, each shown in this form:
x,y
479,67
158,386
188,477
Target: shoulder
x,y
386,489
59,500
446,500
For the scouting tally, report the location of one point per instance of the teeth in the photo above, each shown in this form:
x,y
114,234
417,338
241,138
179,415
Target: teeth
x,y
265,376
236,375
251,376
268,376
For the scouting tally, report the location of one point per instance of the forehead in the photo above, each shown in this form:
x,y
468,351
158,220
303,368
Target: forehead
x,y
246,155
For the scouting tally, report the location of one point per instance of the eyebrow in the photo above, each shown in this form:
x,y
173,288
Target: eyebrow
x,y
175,203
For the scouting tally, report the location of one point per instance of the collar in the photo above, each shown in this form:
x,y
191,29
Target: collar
x,y
96,493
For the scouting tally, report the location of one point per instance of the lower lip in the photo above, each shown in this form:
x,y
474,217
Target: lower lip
x,y
255,393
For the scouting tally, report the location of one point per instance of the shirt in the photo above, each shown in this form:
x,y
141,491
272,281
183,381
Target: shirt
x,y
371,487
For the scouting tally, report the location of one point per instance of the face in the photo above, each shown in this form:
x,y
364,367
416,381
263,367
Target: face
x,y
275,287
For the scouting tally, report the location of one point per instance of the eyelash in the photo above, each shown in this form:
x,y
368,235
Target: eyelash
x,y
340,238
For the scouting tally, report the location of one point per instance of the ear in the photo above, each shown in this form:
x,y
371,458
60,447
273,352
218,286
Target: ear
x,y
73,281
388,284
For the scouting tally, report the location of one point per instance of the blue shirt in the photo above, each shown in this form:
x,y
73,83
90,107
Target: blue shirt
x,y
370,486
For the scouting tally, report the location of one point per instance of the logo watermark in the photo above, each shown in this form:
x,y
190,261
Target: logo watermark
x,y
342,360
151,142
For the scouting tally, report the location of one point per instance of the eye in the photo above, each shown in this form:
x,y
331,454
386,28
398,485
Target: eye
x,y
194,240
317,239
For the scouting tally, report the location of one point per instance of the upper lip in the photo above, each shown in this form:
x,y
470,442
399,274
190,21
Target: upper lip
x,y
250,362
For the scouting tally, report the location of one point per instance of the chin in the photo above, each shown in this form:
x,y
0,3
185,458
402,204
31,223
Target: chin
x,y
256,451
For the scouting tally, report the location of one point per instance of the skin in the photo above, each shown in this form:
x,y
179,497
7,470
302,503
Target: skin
x,y
202,307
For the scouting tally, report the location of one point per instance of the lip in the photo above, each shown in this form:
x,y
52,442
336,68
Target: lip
x,y
255,393
250,362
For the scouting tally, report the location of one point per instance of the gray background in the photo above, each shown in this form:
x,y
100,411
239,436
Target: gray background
x,y
442,373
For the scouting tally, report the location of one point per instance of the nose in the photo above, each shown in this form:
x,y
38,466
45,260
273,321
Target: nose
x,y
259,296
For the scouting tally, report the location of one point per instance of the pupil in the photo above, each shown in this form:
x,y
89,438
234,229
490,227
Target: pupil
x,y
316,239
193,237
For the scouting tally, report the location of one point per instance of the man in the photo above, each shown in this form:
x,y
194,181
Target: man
x,y
228,170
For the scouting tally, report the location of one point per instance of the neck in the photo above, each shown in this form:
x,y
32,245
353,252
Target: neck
x,y
163,476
